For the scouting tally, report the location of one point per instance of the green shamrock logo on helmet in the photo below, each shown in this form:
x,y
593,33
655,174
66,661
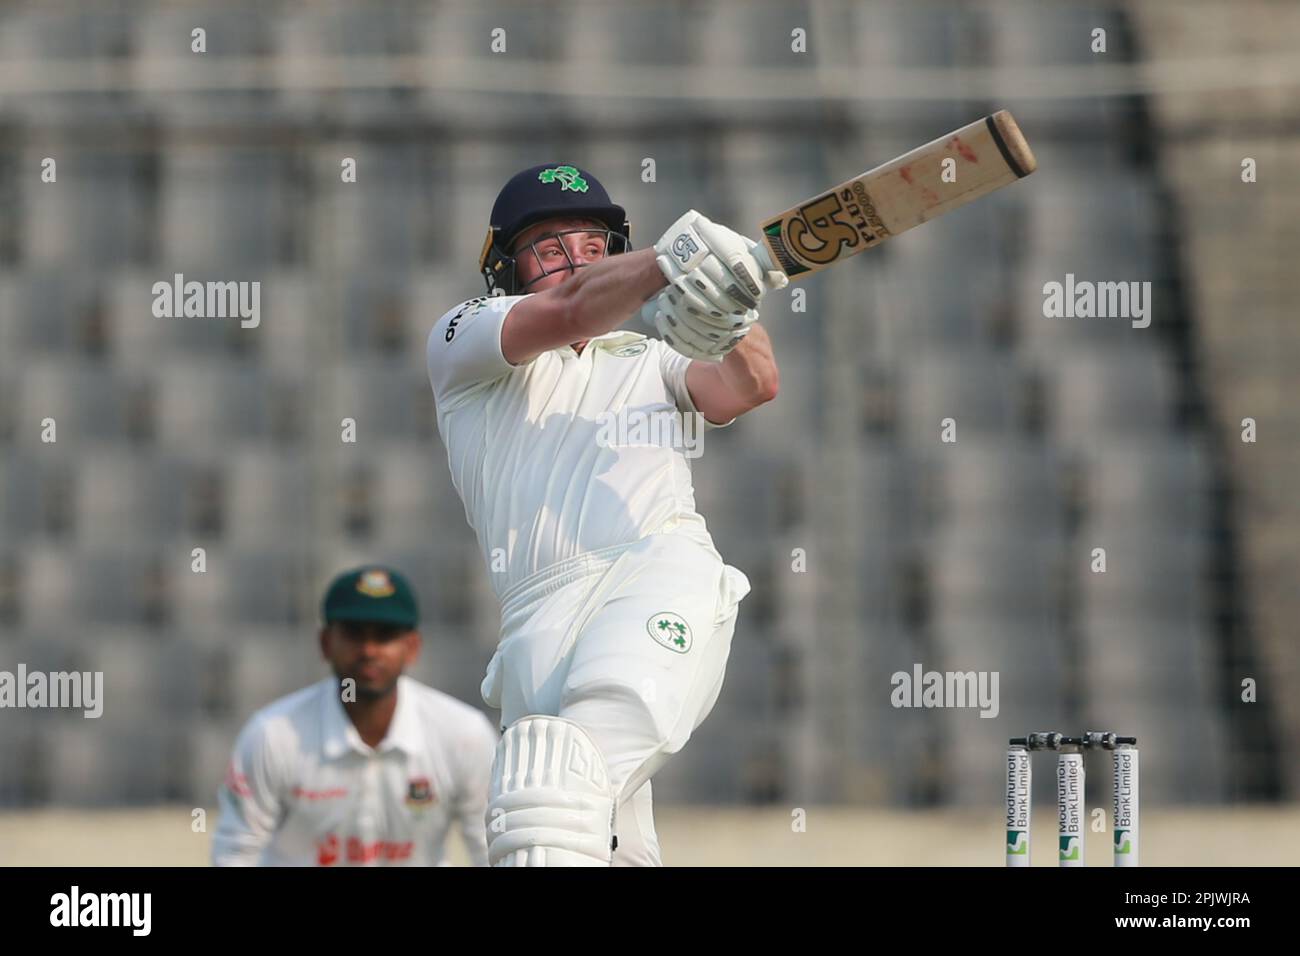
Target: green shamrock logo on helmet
x,y
567,176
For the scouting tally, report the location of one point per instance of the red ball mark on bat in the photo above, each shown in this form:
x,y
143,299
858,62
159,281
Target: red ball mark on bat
x,y
906,173
964,151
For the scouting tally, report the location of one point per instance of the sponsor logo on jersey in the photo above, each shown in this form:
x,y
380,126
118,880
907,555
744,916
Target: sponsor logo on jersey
x,y
473,307
330,849
333,793
327,851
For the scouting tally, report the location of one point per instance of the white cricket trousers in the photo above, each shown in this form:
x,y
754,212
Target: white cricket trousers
x,y
629,642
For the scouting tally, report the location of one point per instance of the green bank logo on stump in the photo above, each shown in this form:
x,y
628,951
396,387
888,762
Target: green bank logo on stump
x,y
670,630
1122,842
1069,848
1017,844
567,176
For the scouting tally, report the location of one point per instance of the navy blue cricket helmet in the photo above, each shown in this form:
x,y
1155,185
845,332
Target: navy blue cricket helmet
x,y
544,192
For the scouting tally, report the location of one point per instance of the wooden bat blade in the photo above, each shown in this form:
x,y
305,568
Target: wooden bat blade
x,y
905,192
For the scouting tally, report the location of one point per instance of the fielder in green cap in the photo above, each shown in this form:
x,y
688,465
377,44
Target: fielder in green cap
x,y
369,621
367,767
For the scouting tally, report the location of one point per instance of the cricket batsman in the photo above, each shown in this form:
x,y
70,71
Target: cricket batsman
x,y
617,611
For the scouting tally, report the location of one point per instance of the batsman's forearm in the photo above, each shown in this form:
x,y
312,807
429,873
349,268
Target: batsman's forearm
x,y
749,369
602,296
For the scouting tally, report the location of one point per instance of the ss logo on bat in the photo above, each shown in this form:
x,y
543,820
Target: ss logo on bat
x,y
820,222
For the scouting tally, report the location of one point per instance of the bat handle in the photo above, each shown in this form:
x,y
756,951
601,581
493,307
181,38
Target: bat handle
x,y
764,258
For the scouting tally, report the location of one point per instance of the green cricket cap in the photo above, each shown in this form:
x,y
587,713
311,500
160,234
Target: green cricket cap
x,y
372,594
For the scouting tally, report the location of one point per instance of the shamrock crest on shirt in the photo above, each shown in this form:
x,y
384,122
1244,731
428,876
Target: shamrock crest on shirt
x,y
671,631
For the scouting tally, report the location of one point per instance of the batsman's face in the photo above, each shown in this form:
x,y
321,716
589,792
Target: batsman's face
x,y
373,655
550,252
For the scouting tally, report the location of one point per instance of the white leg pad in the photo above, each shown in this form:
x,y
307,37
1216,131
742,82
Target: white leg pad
x,y
550,802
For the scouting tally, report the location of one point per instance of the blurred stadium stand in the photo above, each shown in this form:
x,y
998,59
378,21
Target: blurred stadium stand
x,y
1072,434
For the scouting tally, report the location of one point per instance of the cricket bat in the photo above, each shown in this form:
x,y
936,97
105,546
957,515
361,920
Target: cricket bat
x,y
904,192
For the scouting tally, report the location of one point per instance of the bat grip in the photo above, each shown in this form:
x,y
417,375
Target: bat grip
x,y
763,257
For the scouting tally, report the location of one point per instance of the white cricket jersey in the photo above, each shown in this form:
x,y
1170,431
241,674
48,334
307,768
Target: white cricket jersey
x,y
303,788
538,454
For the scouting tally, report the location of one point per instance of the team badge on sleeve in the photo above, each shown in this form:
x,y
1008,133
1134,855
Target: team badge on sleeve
x,y
670,630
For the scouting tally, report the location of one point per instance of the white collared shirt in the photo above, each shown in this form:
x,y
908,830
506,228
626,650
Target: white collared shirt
x,y
528,445
303,788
